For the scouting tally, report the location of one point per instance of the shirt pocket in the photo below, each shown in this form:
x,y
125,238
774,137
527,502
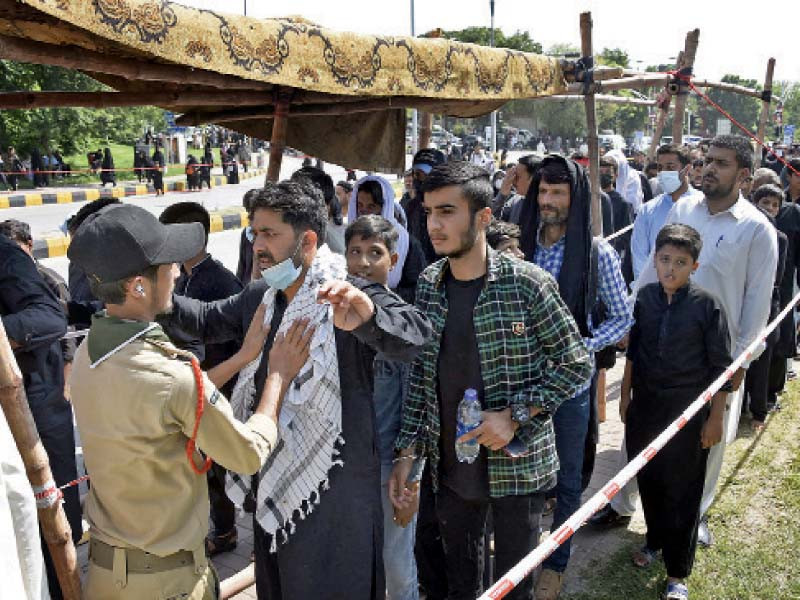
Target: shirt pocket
x,y
723,256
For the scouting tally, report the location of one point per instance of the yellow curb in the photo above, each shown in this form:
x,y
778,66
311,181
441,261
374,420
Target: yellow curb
x,y
63,197
57,246
216,223
33,199
118,192
141,190
4,202
92,194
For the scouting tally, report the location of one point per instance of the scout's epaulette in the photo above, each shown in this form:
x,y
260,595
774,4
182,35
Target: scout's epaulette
x,y
191,445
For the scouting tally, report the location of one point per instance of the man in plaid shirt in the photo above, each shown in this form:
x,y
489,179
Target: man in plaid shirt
x,y
556,235
501,328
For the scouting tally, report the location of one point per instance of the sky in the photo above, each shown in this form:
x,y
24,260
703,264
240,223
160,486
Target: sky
x,y
652,32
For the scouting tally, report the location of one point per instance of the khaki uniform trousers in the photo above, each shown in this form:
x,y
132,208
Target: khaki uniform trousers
x,y
197,580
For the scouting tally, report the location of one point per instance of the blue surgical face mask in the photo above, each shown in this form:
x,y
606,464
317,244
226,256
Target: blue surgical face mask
x,y
669,180
285,273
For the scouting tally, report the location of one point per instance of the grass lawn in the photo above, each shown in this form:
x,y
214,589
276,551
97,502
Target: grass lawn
x,y
123,159
755,521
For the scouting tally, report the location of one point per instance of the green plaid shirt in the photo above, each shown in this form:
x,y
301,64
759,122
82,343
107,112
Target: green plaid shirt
x,y
531,353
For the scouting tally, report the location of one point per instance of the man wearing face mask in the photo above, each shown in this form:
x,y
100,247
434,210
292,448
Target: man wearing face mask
x,y
318,517
673,177
424,161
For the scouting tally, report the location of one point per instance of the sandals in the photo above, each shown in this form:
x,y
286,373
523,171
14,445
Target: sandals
x,y
676,591
218,544
644,557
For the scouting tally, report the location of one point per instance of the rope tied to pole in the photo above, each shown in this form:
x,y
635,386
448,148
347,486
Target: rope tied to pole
x,y
584,73
688,79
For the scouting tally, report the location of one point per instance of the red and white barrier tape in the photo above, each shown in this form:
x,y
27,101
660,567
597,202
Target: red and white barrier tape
x,y
46,495
523,568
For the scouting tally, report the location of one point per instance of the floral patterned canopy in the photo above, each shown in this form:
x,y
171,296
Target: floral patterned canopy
x,y
332,66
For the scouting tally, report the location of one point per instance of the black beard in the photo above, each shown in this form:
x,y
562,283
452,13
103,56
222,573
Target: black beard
x,y
720,192
468,239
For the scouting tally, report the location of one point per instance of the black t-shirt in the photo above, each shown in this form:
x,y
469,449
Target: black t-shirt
x,y
459,368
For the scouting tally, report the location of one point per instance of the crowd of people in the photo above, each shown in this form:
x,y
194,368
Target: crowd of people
x,y
319,386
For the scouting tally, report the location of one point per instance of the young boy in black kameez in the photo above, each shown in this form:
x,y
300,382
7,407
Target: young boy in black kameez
x,y
678,346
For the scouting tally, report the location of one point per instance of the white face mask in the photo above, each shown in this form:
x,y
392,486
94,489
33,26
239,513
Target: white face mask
x,y
669,180
285,273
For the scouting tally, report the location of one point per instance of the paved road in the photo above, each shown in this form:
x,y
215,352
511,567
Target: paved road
x,y
47,219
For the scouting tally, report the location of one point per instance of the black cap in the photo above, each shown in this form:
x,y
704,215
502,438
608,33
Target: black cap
x,y
427,158
123,240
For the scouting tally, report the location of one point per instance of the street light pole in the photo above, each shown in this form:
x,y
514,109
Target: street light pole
x,y
414,115
494,112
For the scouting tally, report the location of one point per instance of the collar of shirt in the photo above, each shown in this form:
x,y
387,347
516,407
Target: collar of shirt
x,y
492,268
736,210
550,258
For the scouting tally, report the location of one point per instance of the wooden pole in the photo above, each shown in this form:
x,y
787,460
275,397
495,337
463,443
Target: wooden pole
x,y
25,100
591,126
689,52
602,98
76,57
657,131
425,129
277,142
238,582
52,521
765,106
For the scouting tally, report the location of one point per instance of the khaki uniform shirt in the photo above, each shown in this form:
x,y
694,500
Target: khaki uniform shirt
x,y
135,410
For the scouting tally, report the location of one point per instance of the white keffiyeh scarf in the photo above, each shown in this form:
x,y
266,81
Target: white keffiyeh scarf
x,y
310,423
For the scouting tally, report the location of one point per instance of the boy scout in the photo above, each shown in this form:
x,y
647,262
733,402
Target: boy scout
x,y
135,398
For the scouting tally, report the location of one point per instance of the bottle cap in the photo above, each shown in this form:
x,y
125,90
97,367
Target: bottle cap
x,y
471,394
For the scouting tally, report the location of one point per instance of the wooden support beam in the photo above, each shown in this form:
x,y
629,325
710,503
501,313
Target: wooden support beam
x,y
765,108
689,52
52,521
425,129
591,138
602,98
75,57
661,119
277,143
434,105
26,100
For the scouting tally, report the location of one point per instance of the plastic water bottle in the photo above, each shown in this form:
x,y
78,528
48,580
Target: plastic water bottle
x,y
469,417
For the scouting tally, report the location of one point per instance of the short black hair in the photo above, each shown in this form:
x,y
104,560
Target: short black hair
x,y
794,163
374,189
740,145
530,162
319,178
680,151
17,231
299,203
681,236
345,185
768,189
500,230
472,179
247,199
76,220
373,226
187,212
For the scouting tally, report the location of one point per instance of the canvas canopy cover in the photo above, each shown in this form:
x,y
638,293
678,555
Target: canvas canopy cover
x,y
345,92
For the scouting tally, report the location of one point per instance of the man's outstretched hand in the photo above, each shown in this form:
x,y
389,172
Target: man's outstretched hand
x,y
351,307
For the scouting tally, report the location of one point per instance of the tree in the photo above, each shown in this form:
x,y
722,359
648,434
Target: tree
x,y
67,129
744,109
519,40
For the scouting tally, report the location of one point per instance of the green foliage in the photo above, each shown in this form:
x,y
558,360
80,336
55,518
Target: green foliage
x,y
519,40
614,57
67,129
744,109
